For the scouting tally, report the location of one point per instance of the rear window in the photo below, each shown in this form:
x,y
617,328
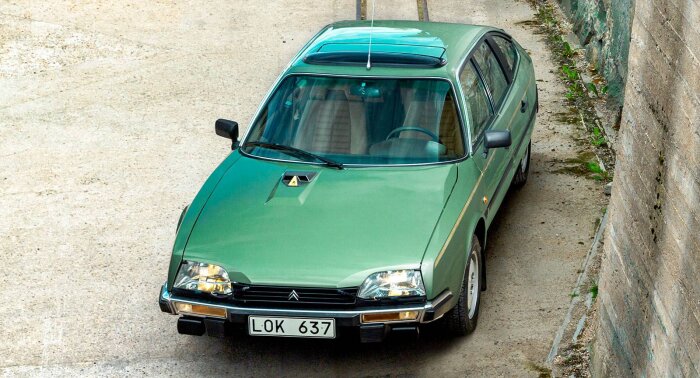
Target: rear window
x,y
492,73
508,50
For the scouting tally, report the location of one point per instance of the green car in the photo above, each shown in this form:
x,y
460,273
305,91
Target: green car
x,y
360,198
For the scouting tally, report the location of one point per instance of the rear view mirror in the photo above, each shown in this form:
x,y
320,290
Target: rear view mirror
x,y
227,129
365,92
496,139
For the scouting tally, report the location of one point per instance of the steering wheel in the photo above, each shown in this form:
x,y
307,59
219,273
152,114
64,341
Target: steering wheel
x,y
413,128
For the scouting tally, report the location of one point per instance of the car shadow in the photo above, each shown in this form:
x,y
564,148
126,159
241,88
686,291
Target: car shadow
x,y
511,199
407,349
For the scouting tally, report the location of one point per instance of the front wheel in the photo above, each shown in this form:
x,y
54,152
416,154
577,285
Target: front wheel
x,y
461,320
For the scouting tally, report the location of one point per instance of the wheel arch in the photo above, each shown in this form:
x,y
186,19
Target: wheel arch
x,y
480,233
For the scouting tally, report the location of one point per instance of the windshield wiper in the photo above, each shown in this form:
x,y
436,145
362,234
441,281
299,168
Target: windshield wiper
x,y
289,150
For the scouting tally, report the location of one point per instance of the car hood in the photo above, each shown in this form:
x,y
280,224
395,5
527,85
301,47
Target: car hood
x,y
331,232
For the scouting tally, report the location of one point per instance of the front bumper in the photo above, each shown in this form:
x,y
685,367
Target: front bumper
x,y
428,312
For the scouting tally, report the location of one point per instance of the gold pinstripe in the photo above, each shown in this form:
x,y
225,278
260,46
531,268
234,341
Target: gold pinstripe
x,y
471,196
461,214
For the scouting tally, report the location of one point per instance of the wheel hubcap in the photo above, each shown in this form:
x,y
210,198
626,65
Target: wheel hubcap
x,y
523,163
472,284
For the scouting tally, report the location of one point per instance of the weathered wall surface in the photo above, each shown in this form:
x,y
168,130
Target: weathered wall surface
x,y
649,286
603,29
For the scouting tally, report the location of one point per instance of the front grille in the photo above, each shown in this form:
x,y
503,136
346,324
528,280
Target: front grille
x,y
254,295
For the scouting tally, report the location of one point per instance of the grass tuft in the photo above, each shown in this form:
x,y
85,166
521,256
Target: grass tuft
x,y
594,291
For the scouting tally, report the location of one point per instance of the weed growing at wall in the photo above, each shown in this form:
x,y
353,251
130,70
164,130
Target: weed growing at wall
x,y
578,93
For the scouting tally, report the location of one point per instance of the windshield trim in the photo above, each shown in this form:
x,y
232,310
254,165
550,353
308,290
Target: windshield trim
x,y
281,78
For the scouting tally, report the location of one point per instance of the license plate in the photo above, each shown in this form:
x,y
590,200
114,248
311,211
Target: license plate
x,y
291,327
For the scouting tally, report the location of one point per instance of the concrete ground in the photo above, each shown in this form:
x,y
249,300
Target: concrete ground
x,y
106,133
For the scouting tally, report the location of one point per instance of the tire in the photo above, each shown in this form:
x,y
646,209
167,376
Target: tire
x,y
461,320
521,174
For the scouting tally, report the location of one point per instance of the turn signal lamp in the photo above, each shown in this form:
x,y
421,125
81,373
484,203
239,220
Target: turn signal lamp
x,y
200,310
389,316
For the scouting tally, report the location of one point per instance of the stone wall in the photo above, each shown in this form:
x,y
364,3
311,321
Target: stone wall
x,y
603,28
649,314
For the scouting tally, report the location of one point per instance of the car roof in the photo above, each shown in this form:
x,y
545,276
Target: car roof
x,y
339,47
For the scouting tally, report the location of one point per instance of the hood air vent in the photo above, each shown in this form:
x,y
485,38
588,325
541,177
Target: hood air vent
x,y
298,178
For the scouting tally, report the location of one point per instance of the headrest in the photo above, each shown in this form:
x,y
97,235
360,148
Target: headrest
x,y
318,93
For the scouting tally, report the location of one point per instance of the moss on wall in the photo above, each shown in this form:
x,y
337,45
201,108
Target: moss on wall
x,y
604,27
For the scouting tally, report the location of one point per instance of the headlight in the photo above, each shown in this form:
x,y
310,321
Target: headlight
x,y
208,278
393,283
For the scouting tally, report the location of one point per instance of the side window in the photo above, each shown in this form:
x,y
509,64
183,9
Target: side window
x,y
492,73
475,94
508,51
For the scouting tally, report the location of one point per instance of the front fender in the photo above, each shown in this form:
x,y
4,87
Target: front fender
x,y
445,259
191,213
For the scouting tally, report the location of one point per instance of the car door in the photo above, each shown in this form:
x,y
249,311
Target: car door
x,y
507,54
496,84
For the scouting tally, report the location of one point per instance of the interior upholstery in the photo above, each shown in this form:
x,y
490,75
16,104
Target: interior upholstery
x,y
333,123
419,113
450,128
425,113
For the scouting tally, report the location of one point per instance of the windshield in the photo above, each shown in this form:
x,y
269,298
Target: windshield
x,y
360,121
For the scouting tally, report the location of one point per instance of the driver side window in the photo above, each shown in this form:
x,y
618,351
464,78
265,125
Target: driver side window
x,y
479,111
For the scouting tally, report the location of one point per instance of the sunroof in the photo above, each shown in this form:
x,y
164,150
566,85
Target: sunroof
x,y
434,51
383,54
379,58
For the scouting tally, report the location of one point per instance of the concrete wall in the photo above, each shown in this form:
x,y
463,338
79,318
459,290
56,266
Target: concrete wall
x,y
649,287
603,29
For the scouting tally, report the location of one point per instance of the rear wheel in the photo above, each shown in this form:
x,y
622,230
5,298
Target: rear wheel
x,y
461,320
521,174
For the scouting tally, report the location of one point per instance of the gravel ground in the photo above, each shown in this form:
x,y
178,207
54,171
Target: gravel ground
x,y
106,133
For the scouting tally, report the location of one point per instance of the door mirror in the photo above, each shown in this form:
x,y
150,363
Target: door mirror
x,y
496,139
227,129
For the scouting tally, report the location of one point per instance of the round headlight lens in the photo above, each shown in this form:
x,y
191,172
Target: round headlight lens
x,y
208,278
392,283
